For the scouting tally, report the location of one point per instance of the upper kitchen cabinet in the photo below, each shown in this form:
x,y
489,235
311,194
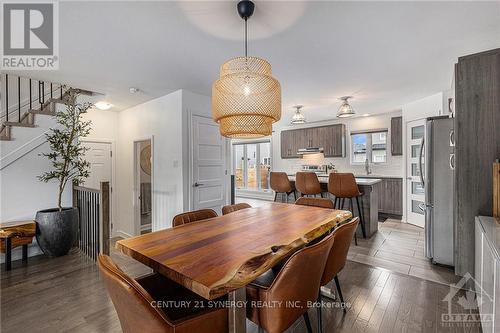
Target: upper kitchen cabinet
x,y
331,138
397,136
288,145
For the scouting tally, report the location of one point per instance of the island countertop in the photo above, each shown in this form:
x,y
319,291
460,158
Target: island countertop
x,y
359,180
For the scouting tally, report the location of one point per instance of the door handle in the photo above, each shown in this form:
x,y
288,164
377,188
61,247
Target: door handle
x,y
420,162
197,184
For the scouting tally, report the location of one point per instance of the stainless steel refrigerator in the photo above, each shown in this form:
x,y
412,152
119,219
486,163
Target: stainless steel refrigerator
x,y
437,158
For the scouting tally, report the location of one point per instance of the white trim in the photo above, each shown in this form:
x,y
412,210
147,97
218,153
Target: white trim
x,y
23,150
122,234
269,196
137,210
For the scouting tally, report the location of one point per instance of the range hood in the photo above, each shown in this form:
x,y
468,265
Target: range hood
x,y
310,150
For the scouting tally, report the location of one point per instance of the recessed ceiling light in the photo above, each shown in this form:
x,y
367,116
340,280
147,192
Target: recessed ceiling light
x,y
133,90
366,115
102,105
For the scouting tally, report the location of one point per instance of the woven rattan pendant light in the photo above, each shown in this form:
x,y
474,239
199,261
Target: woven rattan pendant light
x,y
246,99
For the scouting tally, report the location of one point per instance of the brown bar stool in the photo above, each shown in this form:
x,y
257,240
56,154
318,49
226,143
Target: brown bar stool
x,y
343,186
281,184
307,183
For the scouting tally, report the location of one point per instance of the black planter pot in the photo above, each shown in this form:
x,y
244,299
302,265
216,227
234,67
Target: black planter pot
x,y
56,230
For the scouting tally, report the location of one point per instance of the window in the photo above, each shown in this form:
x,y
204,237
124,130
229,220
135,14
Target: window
x,y
369,145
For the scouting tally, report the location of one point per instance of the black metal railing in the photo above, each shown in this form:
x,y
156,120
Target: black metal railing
x,y
94,219
26,98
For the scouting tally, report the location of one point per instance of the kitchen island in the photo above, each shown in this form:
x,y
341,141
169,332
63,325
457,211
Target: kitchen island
x,y
369,200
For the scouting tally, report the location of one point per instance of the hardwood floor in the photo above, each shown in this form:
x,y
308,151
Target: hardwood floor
x,y
66,295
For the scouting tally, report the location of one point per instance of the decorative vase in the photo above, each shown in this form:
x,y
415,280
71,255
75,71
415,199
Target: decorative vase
x,y
56,230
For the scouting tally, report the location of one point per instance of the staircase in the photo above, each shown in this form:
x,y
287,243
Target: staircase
x,y
24,98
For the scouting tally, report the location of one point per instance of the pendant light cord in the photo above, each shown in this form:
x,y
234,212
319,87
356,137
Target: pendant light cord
x,y
246,39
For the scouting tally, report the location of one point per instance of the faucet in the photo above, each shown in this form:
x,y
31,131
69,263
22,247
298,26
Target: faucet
x,y
367,167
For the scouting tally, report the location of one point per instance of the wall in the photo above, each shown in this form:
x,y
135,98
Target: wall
x,y
161,120
22,194
393,166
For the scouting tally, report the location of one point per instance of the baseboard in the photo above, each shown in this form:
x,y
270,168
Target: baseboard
x,y
122,234
255,195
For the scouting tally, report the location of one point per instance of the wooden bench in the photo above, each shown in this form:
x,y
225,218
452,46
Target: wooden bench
x,y
14,234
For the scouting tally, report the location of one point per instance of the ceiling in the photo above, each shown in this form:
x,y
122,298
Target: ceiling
x,y
385,54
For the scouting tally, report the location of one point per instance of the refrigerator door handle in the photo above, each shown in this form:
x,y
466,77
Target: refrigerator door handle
x,y
420,162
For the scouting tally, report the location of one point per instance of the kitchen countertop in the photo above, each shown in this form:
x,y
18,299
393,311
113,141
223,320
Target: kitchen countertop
x,y
376,176
363,181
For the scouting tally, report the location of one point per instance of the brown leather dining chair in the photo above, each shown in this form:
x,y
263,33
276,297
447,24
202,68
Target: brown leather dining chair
x,y
297,282
142,305
233,208
337,259
307,183
343,186
280,183
315,202
193,216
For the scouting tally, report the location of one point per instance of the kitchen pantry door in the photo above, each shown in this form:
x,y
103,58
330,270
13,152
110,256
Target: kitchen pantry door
x,y
415,195
209,164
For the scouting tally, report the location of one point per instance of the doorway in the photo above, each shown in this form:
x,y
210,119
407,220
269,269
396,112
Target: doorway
x,y
252,166
143,186
415,195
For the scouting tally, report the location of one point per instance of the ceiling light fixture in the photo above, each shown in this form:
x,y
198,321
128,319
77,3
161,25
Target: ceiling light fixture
x,y
246,99
102,105
298,117
345,109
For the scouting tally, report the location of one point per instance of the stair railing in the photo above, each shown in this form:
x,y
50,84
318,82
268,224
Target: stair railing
x,y
15,112
94,207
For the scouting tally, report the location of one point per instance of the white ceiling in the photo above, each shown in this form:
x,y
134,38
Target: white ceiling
x,y
383,53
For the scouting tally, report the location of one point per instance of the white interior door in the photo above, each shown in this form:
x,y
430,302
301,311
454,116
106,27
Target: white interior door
x,y
209,165
415,195
99,157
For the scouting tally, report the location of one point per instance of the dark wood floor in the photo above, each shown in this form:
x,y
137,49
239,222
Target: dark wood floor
x,y
66,295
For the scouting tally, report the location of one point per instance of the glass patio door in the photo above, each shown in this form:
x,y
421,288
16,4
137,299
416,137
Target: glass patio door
x,y
252,165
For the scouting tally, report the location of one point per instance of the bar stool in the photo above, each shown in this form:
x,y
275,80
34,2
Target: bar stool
x,y
307,183
343,186
281,184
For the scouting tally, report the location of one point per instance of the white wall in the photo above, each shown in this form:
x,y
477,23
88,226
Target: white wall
x,y
393,167
161,120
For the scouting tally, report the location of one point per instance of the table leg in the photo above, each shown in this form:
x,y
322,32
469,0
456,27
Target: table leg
x,y
237,314
8,253
25,253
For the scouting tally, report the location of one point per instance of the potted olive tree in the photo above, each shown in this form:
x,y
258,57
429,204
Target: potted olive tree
x,y
57,227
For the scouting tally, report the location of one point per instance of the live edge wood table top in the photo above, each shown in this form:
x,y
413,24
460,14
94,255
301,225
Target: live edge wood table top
x,y
216,256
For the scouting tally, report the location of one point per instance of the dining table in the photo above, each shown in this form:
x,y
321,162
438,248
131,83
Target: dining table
x,y
221,255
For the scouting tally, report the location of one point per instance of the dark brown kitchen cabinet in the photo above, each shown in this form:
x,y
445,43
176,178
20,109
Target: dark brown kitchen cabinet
x,y
331,138
397,136
391,196
477,146
288,145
